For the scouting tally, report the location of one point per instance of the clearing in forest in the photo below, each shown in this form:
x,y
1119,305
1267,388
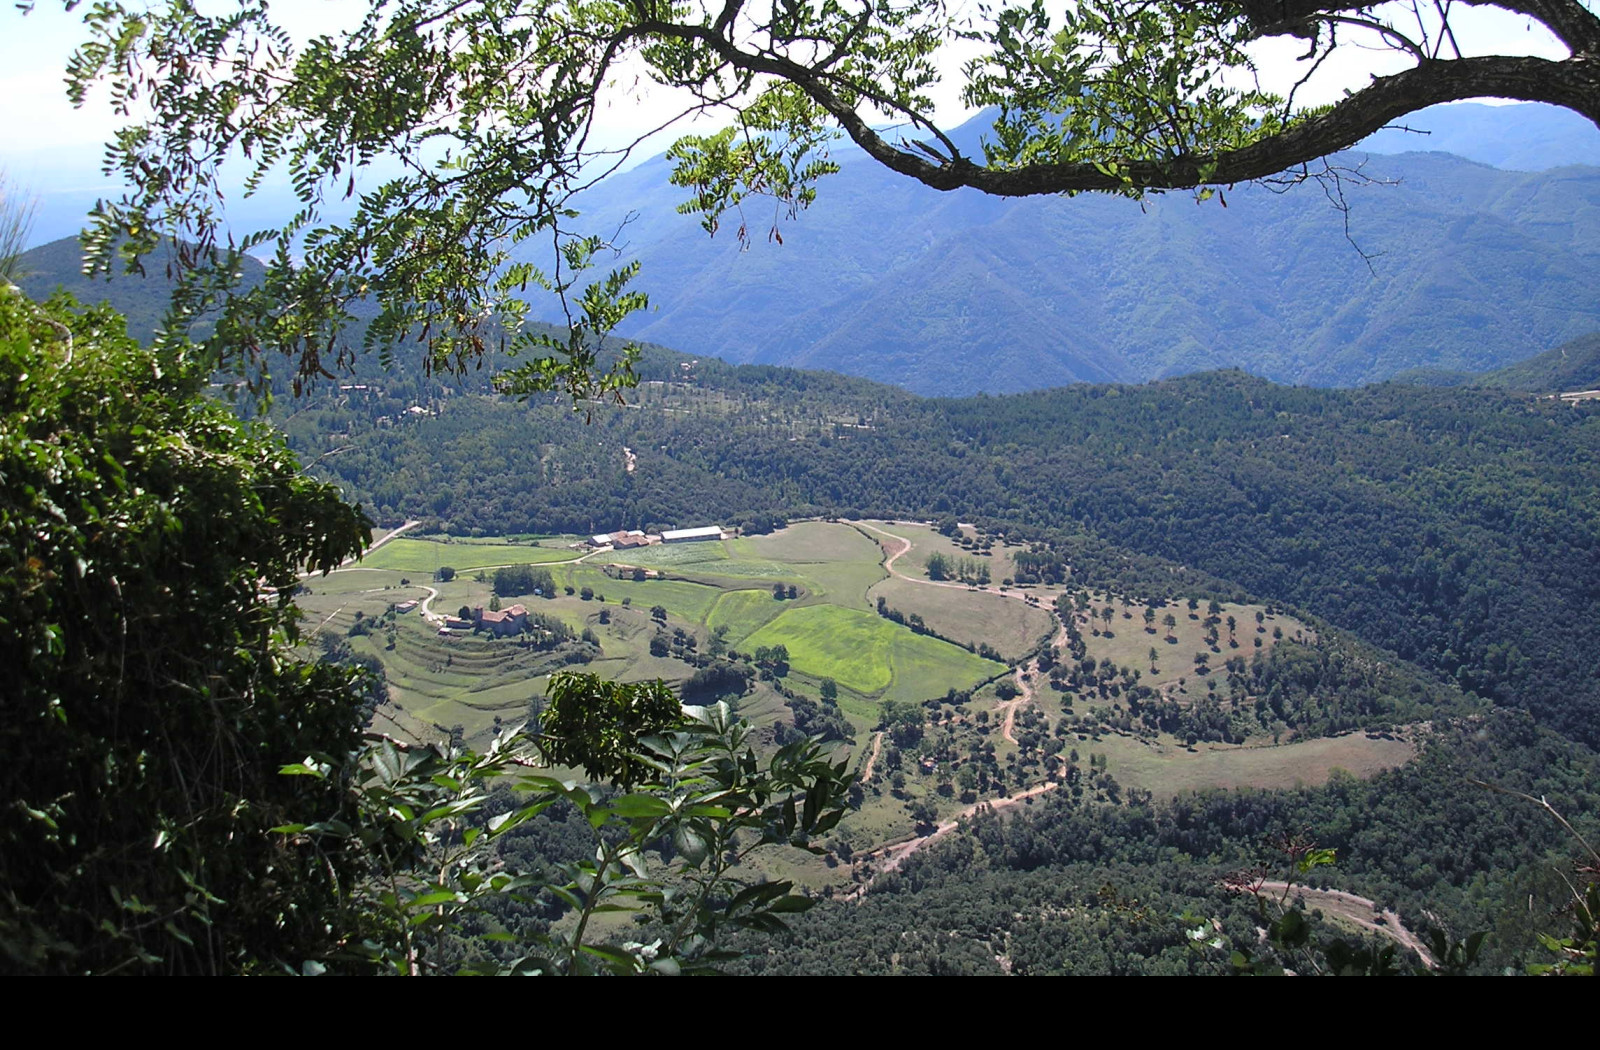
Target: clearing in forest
x,y
659,612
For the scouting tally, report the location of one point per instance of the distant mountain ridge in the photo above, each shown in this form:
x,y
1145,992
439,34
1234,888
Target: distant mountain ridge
x,y
1470,267
141,300
1517,138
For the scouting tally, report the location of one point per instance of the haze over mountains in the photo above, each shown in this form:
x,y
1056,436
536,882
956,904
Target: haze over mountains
x,y
1471,267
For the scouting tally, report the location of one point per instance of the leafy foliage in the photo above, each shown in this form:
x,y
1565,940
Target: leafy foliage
x,y
149,542
663,848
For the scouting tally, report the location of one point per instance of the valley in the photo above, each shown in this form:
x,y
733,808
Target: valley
x,y
935,729
1144,524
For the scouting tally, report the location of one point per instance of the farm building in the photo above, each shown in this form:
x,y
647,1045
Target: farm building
x,y
620,540
511,620
709,532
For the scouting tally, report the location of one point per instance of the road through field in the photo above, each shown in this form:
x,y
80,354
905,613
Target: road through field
x,y
1025,673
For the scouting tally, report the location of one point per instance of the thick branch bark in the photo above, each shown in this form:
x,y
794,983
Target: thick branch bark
x,y
1573,83
1571,22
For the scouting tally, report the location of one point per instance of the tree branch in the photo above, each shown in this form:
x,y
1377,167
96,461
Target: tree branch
x,y
1573,83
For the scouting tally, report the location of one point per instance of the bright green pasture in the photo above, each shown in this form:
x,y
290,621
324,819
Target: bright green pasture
x,y
411,555
868,654
743,612
927,667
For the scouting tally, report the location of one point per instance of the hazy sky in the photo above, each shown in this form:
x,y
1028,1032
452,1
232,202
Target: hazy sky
x,y
54,149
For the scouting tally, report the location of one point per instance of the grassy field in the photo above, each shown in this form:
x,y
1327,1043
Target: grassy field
x,y
868,654
1166,770
413,555
837,563
1128,642
1013,628
927,541
743,613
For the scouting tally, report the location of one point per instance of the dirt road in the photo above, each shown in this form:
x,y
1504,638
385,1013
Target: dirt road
x,y
888,858
872,759
1359,912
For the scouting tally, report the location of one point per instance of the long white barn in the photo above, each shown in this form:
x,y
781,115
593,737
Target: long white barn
x,y
709,532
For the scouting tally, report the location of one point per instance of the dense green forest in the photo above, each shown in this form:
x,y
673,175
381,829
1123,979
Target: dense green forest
x,y
1074,887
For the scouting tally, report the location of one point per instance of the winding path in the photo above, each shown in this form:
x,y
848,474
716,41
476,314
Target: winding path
x,y
1358,911
889,858
872,759
1024,673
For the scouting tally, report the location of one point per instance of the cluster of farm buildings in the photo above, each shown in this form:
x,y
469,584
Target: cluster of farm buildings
x,y
499,622
638,538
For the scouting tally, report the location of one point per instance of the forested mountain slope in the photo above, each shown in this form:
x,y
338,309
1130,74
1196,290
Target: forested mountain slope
x,y
141,299
1571,366
1466,267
